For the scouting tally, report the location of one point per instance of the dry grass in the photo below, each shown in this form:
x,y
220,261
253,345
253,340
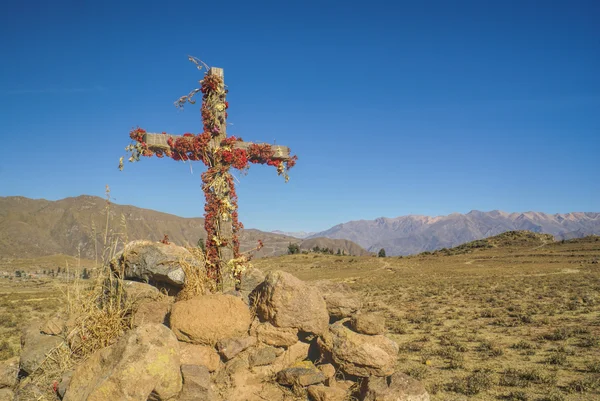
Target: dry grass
x,y
488,323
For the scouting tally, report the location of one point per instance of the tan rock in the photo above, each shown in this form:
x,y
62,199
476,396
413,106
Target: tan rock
x,y
6,394
285,301
9,369
28,392
54,326
275,336
368,323
300,374
359,354
341,302
193,354
397,387
328,370
208,319
262,356
151,312
230,347
144,361
323,393
196,384
136,292
35,346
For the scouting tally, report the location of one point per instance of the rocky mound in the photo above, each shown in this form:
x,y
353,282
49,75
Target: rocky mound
x,y
282,340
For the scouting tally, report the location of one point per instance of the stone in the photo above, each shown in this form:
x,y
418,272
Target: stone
x,y
6,394
54,326
64,383
323,393
35,346
28,392
368,323
230,347
196,384
193,354
9,370
300,374
397,387
339,299
295,353
251,278
328,370
359,354
151,312
144,361
207,319
154,262
285,301
275,336
263,356
137,292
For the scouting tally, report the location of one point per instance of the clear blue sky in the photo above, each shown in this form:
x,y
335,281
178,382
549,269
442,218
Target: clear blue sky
x,y
393,107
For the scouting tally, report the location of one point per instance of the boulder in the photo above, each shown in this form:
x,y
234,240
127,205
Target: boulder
x,y
275,336
64,383
328,370
397,387
322,393
368,323
144,361
251,278
54,326
9,369
285,301
208,319
136,292
193,354
6,394
341,303
262,356
154,262
151,312
35,346
230,347
196,384
300,374
28,392
359,354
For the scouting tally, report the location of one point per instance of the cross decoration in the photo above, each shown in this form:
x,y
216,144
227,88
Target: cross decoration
x,y
219,153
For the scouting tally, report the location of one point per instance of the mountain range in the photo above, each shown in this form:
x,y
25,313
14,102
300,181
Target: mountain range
x,y
414,234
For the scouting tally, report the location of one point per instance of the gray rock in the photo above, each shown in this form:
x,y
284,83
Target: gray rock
x,y
251,278
397,387
28,392
196,384
300,374
64,383
263,356
230,347
35,346
9,369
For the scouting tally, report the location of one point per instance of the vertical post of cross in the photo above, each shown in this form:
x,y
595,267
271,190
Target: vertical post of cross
x,y
225,224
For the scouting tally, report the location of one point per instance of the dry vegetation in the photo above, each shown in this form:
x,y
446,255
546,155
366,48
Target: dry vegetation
x,y
497,322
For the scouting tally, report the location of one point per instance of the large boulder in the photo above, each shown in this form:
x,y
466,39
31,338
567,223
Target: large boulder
x,y
286,301
359,354
144,361
341,303
35,346
208,319
397,387
154,262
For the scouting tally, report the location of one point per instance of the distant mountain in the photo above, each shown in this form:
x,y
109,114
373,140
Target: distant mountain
x,y
78,226
295,234
413,234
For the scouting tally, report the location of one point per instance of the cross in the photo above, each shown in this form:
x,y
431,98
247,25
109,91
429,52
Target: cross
x,y
219,153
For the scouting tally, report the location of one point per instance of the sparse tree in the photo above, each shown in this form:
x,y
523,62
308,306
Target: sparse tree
x,y
202,245
339,252
293,249
381,253
18,273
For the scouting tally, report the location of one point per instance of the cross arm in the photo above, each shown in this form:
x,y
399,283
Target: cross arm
x,y
159,142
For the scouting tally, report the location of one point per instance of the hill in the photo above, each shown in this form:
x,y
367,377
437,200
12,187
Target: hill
x,y
414,234
78,226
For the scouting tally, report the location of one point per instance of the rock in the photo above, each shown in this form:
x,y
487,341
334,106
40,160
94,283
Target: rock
x,y
263,356
300,374
368,323
237,383
230,347
154,262
9,369
208,319
136,292
54,326
64,383
359,354
322,393
251,278
397,387
295,353
328,370
151,312
6,394
341,303
144,361
275,336
35,346
28,392
196,384
285,301
192,354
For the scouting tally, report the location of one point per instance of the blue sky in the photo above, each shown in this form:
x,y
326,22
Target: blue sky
x,y
393,108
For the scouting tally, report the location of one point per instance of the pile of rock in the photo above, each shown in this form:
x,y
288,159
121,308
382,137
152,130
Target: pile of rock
x,y
289,341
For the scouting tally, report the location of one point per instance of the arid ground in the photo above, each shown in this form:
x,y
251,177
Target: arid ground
x,y
516,321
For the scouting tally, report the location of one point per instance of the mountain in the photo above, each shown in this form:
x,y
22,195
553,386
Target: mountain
x,y
414,234
87,226
295,234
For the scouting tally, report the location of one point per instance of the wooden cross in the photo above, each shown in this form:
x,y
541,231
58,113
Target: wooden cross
x,y
159,143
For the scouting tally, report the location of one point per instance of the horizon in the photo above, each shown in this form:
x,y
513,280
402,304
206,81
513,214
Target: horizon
x,y
393,110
